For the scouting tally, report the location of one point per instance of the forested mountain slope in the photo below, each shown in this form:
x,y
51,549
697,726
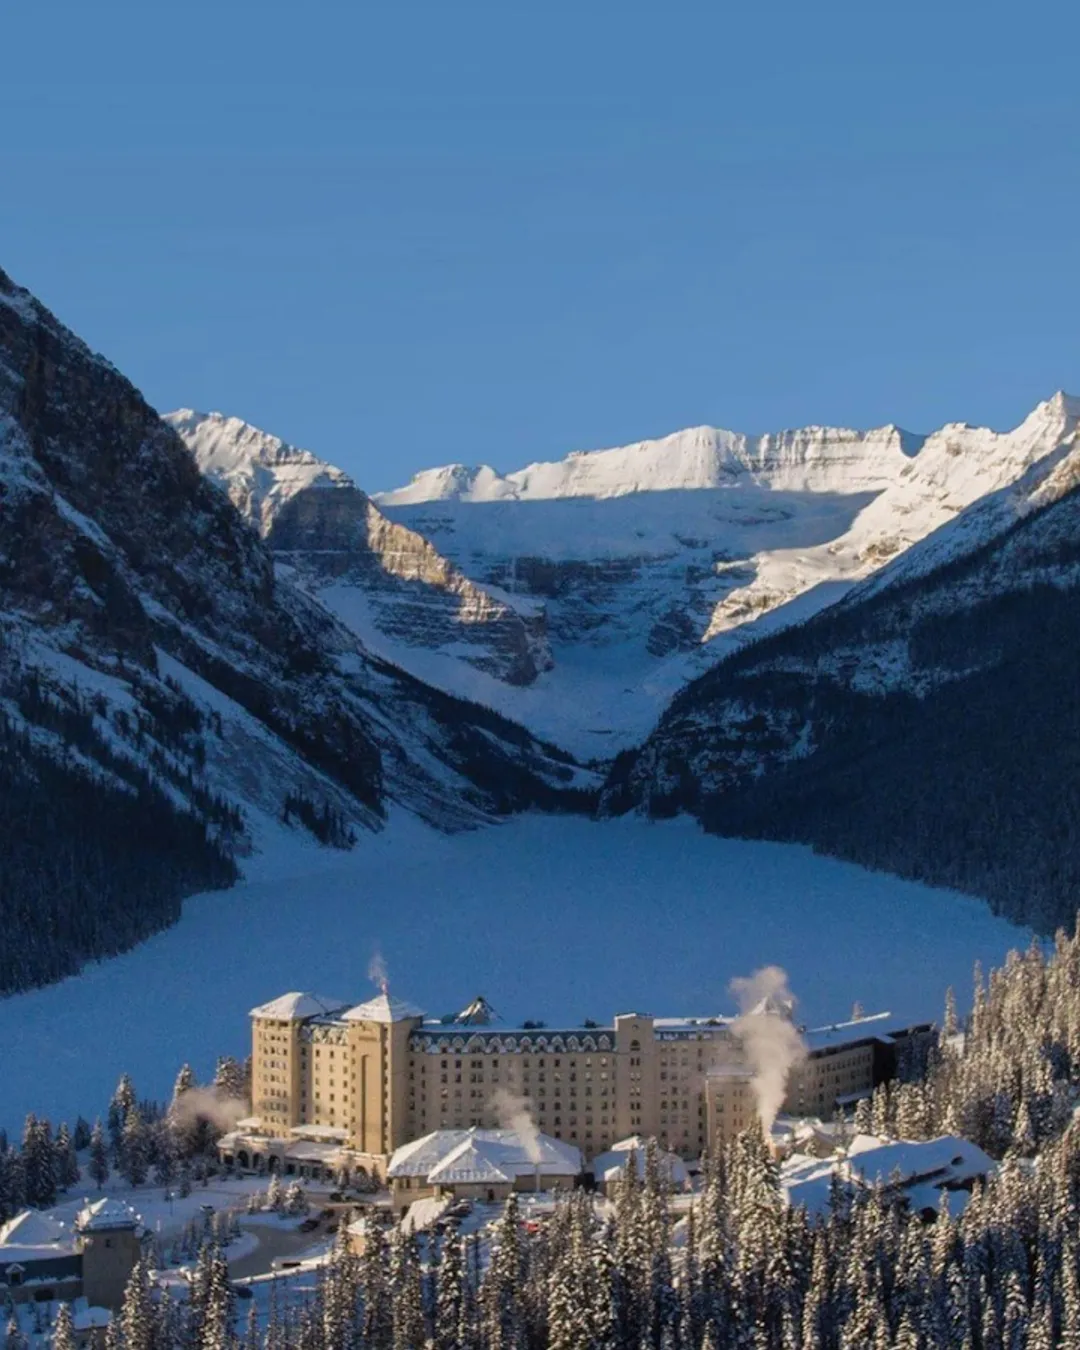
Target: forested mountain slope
x,y
161,692
928,725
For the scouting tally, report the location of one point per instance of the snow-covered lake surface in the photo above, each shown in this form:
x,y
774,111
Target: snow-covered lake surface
x,y
549,917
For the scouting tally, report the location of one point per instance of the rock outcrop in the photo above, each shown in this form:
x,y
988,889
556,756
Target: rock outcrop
x,y
384,579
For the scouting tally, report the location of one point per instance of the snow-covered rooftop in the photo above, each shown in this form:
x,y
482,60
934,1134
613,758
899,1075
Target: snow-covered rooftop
x,y
296,1006
382,1008
336,1133
607,1166
922,1169
107,1213
445,1157
31,1228
312,1150
875,1026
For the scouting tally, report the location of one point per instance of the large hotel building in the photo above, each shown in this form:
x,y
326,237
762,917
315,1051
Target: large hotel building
x,y
372,1076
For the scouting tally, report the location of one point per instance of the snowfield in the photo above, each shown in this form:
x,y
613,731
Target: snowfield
x,y
557,918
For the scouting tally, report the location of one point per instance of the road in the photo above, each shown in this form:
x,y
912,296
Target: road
x,y
281,1243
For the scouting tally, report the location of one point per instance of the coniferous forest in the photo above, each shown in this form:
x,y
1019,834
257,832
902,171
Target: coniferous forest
x,y
92,860
929,729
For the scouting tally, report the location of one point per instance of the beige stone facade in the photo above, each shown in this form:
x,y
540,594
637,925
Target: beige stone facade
x,y
379,1075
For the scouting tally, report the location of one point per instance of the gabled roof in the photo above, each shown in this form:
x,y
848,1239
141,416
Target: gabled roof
x,y
296,1006
382,1008
471,1161
447,1156
31,1228
608,1165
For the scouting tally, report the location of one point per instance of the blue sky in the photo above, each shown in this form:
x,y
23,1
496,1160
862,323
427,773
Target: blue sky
x,y
408,234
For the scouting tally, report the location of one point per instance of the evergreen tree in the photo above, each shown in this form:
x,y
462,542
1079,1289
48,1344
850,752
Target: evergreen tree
x,y
185,1081
450,1294
39,1162
165,1155
67,1165
229,1079
407,1308
137,1315
99,1160
12,1183
64,1329
500,1309
134,1149
122,1103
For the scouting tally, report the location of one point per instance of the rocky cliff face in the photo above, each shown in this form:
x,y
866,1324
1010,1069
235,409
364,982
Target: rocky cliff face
x,y
656,560
147,646
386,581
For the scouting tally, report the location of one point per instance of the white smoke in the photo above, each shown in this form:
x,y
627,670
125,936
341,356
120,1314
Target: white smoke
x,y
378,973
513,1113
203,1103
770,1041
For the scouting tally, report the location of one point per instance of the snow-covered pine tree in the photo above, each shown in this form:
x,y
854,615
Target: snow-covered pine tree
x,y
137,1315
500,1312
215,1332
12,1183
185,1081
449,1294
123,1101
67,1164
229,1079
134,1149
406,1292
63,1337
376,1320
39,1162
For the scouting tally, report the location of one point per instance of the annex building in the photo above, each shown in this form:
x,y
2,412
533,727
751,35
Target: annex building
x,y
42,1259
334,1081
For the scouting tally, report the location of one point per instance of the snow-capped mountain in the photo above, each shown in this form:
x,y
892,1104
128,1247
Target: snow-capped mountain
x,y
927,725
162,694
385,581
655,560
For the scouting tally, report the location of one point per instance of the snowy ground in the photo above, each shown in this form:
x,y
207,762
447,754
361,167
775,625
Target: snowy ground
x,y
558,918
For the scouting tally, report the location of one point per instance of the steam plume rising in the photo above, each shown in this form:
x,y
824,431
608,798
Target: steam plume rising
x,y
378,973
770,1041
512,1113
199,1103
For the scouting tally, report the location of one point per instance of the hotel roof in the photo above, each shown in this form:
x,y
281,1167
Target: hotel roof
x,y
382,1008
296,1006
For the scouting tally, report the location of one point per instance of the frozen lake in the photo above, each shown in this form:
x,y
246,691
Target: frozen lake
x,y
553,918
